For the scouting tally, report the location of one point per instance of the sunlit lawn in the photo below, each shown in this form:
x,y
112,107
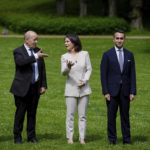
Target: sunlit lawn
x,y
51,110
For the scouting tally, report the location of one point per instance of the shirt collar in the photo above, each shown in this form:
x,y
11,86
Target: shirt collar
x,y
27,48
117,49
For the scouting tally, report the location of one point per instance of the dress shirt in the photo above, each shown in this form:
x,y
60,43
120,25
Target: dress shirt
x,y
35,63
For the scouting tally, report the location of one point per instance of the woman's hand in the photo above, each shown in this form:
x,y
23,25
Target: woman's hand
x,y
69,64
81,83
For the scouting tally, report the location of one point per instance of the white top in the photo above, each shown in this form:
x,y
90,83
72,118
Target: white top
x,y
81,70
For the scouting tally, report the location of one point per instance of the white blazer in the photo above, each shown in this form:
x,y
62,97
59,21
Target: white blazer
x,y
81,70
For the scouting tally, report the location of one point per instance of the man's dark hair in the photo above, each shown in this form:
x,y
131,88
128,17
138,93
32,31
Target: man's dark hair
x,y
119,31
76,41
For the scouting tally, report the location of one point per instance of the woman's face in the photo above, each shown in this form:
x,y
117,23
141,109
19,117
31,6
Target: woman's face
x,y
69,45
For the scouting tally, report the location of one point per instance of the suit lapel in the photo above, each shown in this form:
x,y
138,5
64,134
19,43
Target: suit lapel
x,y
24,50
114,55
125,59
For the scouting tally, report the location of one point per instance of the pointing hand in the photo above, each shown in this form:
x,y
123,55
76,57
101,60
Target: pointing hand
x,y
40,54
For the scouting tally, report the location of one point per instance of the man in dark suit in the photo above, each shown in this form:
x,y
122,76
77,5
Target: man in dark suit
x,y
28,84
118,81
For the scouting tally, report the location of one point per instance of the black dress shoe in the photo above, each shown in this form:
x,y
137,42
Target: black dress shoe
x,y
126,142
34,140
112,142
18,141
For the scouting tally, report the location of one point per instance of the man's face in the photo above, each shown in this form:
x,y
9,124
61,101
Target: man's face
x,y
32,41
119,39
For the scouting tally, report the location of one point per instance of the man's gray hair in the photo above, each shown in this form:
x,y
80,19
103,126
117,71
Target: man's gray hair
x,y
27,35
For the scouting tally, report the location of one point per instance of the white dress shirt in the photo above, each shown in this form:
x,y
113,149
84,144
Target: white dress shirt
x,y
35,63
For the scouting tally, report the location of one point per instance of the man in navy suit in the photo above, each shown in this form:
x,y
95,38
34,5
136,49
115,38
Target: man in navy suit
x,y
28,84
118,81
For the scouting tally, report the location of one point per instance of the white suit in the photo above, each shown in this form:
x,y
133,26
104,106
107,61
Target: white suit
x,y
81,70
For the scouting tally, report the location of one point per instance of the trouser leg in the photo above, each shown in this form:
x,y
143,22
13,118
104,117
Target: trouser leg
x,y
31,112
19,117
124,114
82,111
31,119
71,103
112,107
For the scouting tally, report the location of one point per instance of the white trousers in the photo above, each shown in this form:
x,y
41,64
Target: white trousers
x,y
81,103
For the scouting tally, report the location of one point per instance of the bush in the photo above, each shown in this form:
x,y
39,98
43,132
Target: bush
x,y
20,23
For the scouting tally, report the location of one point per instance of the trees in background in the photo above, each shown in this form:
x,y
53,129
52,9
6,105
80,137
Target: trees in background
x,y
83,8
112,8
60,7
109,8
136,14
104,7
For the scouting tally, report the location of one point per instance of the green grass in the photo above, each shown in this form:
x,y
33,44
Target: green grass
x,y
51,110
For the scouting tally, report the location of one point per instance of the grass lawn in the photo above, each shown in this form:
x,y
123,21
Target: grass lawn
x,y
51,110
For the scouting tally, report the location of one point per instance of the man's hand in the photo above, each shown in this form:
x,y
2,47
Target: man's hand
x,y
40,54
107,96
132,97
42,90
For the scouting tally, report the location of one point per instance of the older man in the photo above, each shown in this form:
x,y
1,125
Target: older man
x,y
29,82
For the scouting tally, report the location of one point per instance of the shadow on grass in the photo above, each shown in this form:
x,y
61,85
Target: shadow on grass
x,y
48,136
91,138
6,138
137,138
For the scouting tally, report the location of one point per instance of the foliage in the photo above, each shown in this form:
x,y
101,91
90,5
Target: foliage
x,y
51,111
141,32
47,8
62,25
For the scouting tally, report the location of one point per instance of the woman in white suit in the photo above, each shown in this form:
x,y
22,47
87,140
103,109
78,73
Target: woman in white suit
x,y
76,65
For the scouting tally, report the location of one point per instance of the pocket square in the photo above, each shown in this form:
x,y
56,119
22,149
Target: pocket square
x,y
129,60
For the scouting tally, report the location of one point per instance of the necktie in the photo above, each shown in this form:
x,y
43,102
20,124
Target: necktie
x,y
120,60
33,68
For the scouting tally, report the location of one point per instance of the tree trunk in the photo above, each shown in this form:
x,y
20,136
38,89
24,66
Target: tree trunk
x,y
136,14
112,8
104,9
83,8
61,7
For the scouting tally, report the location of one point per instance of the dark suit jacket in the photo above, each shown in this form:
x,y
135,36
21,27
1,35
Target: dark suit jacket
x,y
23,74
111,75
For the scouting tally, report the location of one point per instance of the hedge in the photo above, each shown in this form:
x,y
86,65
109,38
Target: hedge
x,y
20,23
